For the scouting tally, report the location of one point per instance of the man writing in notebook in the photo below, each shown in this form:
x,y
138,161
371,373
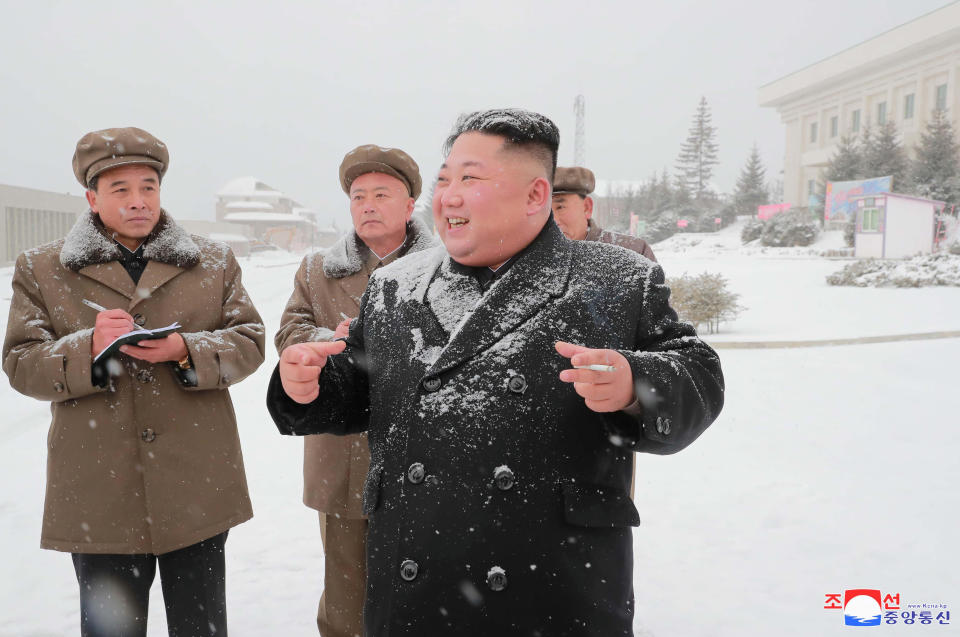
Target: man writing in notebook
x,y
144,468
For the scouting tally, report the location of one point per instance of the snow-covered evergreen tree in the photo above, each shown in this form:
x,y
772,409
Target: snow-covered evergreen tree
x,y
698,154
883,154
846,162
751,185
936,169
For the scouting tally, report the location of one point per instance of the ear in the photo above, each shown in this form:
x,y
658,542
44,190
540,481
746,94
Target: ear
x,y
411,204
539,196
588,207
92,200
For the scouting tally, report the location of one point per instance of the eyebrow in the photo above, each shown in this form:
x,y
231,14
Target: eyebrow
x,y
123,182
358,190
470,163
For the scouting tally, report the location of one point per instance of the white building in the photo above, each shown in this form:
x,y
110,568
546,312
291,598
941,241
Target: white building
x,y
892,226
30,217
273,216
902,75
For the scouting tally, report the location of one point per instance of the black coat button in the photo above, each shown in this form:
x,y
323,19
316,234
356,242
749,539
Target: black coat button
x,y
431,384
58,387
148,435
409,570
496,579
139,319
145,376
416,473
517,384
504,478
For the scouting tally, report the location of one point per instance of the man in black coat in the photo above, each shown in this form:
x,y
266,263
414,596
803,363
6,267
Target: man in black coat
x,y
505,381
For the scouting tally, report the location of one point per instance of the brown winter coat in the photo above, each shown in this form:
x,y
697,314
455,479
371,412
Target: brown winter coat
x,y
327,289
638,245
146,464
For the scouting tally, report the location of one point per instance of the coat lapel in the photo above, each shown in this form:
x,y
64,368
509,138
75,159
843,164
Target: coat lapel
x,y
540,275
154,275
111,275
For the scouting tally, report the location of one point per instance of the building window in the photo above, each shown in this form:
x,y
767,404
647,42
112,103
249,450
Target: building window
x,y
941,100
811,187
813,133
908,106
834,126
882,113
870,222
855,121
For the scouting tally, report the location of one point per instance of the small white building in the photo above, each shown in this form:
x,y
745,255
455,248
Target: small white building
x,y
894,226
273,216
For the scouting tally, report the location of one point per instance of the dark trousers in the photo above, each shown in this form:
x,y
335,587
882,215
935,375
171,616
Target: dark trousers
x,y
115,591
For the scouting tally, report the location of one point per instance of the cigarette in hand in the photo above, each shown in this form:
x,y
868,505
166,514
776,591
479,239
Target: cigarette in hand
x,y
596,368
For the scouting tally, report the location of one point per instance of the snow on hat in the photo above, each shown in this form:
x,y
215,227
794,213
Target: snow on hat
x,y
104,149
371,158
574,179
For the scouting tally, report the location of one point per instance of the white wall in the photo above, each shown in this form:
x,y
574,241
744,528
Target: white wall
x,y
909,228
868,245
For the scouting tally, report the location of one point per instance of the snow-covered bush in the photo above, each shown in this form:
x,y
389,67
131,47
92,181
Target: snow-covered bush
x,y
663,227
787,229
849,233
792,228
703,299
751,231
942,268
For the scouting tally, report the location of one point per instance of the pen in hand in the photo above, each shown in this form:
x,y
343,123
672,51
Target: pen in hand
x,y
93,305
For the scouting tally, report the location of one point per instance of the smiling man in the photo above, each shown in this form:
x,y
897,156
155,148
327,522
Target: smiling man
x,y
383,184
505,382
144,469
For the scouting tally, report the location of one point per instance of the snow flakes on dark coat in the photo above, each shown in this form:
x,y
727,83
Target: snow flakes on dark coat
x,y
498,502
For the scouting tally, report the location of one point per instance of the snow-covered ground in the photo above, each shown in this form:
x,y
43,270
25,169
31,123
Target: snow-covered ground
x,y
830,468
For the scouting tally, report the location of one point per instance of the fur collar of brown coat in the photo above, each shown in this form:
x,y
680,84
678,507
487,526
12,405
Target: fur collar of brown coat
x,y
348,254
89,243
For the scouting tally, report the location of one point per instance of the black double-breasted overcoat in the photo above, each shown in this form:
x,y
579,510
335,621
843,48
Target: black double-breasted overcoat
x,y
498,502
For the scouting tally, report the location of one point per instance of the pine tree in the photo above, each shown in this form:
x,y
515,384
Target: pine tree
x,y
936,170
698,155
883,154
846,162
751,186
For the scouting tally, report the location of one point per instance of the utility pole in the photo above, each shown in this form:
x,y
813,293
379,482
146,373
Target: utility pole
x,y
580,141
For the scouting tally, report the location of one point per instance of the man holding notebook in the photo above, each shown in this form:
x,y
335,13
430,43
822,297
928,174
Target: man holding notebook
x,y
144,465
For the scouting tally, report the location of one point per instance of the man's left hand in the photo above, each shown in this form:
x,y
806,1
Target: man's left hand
x,y
605,391
158,350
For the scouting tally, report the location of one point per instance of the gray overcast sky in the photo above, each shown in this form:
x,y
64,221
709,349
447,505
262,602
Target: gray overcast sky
x,y
281,90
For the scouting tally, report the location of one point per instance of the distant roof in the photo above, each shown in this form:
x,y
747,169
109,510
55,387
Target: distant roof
x,y
248,186
897,195
248,205
275,217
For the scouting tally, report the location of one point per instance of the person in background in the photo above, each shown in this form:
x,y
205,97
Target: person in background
x,y
573,210
382,185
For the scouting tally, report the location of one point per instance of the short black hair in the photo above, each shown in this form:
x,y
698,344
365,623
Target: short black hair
x,y
95,180
526,130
